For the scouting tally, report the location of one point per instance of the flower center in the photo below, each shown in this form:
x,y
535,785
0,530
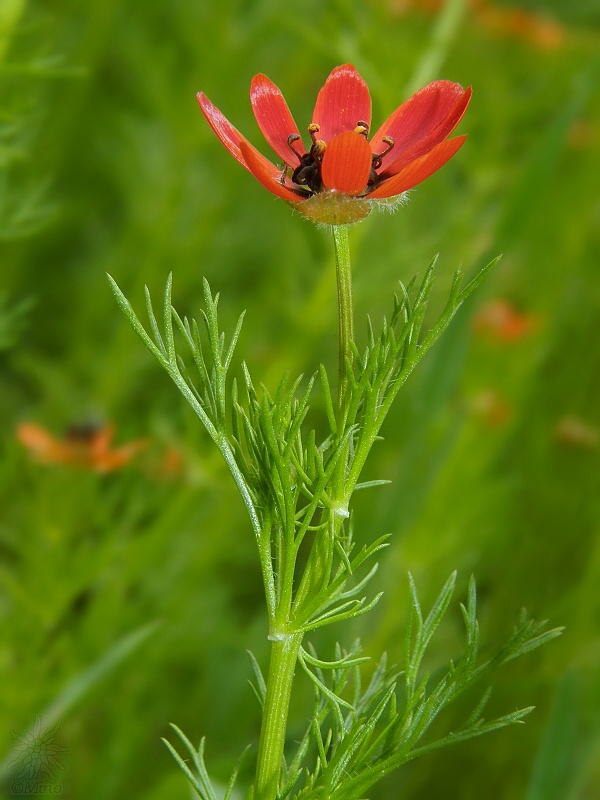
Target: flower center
x,y
308,172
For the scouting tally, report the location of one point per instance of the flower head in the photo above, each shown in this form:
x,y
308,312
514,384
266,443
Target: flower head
x,y
502,322
87,445
336,174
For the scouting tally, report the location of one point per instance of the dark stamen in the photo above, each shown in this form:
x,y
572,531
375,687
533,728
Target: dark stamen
x,y
390,146
313,129
317,150
377,158
362,127
292,139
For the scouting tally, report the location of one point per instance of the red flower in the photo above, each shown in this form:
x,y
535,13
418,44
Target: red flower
x,y
87,446
499,320
334,180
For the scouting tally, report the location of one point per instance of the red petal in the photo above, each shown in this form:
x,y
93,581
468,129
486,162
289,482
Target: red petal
x,y
443,130
41,444
247,155
267,173
419,117
347,163
229,136
418,170
274,118
343,101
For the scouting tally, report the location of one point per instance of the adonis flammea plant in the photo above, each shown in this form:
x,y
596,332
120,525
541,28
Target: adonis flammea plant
x,y
298,489
345,170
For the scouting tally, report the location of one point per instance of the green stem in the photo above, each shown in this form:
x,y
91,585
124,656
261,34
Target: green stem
x,y
286,645
284,654
345,310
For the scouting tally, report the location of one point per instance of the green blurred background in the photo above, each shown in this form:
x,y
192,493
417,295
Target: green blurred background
x,y
106,165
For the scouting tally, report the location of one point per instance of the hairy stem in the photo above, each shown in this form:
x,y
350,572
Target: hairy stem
x,y
284,654
286,645
345,309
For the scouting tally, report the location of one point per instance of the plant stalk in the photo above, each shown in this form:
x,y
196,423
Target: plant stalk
x,y
343,272
284,654
284,650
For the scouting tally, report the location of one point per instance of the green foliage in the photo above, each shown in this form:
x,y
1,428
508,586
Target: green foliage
x,y
72,694
560,762
201,781
25,204
358,744
13,319
356,737
290,483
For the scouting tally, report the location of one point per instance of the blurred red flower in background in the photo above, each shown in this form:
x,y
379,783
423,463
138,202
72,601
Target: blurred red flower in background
x,y
501,321
490,407
535,27
87,446
333,180
576,432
